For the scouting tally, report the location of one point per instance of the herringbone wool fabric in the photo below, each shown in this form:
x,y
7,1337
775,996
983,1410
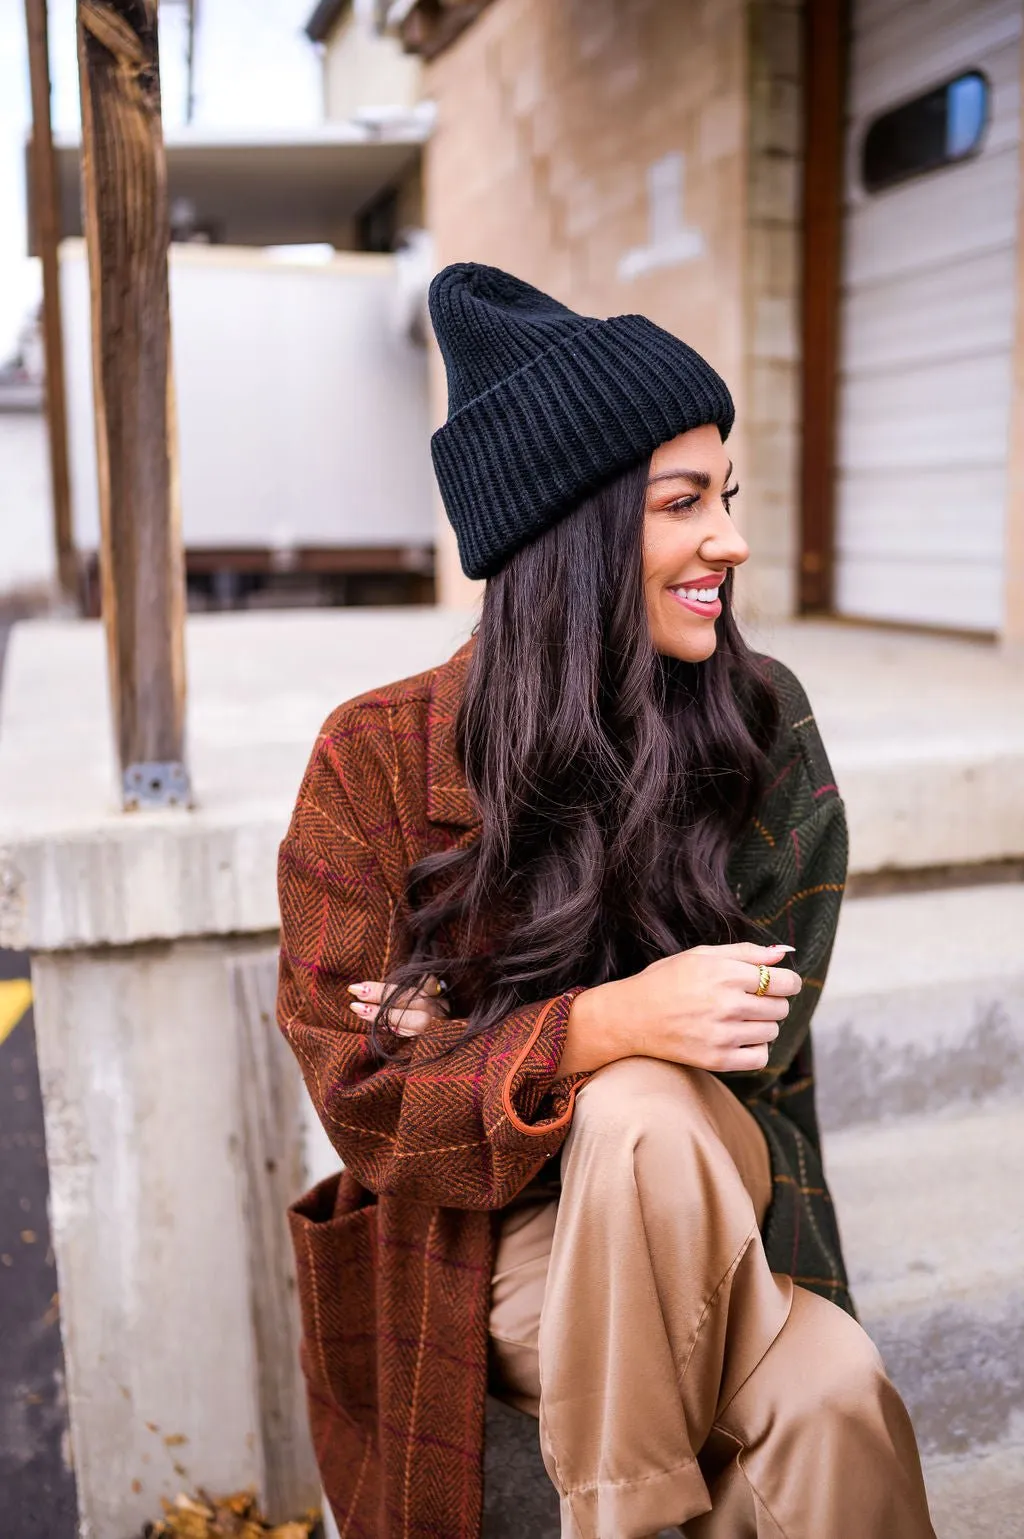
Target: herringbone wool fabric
x,y
394,1256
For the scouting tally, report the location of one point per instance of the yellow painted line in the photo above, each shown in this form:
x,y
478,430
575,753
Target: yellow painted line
x,y
15,998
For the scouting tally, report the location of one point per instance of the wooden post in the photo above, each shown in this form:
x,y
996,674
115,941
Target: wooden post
x,y
141,564
46,219
825,23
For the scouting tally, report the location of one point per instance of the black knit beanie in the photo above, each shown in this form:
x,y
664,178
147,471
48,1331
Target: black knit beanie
x,y
545,406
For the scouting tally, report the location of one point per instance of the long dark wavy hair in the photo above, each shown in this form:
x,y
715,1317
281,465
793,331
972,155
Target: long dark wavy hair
x,y
612,782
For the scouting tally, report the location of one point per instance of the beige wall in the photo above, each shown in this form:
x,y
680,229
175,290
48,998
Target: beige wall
x,y
772,248
362,70
549,118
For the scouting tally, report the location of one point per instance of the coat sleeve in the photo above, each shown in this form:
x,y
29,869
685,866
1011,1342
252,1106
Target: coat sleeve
x,y
794,874
800,906
453,1122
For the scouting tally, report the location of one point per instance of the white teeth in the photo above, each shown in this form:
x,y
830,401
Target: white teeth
x,y
699,595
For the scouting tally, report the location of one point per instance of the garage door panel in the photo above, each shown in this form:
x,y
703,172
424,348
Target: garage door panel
x,y
924,517
893,324
961,597
1001,132
889,63
922,417
870,16
909,229
999,65
927,325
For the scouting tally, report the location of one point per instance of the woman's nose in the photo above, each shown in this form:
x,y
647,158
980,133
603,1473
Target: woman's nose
x,y
725,543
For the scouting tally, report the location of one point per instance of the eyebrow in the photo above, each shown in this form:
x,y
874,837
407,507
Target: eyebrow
x,y
698,478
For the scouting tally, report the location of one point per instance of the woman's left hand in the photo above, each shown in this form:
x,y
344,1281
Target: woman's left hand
x,y
411,1014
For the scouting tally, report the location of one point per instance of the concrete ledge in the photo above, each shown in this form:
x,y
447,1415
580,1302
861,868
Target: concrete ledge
x,y
77,872
980,1495
177,1131
926,734
924,1005
74,871
960,1370
929,1208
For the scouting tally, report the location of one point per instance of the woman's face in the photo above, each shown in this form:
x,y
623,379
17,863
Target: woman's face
x,y
690,542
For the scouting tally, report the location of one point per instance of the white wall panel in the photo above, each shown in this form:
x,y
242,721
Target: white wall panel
x,y
303,416
27,554
927,326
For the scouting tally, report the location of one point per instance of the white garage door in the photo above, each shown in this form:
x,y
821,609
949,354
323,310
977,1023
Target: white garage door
x,y
928,313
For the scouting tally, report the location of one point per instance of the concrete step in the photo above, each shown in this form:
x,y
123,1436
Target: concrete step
x,y
933,1230
924,1004
926,737
930,1207
983,1495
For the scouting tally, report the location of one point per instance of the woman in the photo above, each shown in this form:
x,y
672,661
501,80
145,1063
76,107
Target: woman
x,y
586,1164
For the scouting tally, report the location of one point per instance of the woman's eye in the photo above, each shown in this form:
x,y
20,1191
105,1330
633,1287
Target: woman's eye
x,y
682,505
729,493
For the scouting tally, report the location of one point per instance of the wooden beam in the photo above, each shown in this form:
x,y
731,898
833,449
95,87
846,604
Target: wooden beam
x,y
141,565
825,59
428,27
46,219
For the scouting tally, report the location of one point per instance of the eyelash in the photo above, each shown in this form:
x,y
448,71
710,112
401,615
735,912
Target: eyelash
x,y
684,504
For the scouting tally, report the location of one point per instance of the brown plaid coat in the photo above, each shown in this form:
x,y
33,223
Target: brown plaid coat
x,y
394,1256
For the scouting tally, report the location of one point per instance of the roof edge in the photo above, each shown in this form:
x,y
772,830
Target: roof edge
x,y
324,19
428,27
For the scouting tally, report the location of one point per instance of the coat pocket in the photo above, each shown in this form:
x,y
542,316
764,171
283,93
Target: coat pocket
x,y
334,1233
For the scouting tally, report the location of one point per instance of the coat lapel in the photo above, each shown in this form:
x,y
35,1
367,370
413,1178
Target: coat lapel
x,y
448,796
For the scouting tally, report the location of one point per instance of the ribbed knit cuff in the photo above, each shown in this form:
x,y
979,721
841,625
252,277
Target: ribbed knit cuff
x,y
518,457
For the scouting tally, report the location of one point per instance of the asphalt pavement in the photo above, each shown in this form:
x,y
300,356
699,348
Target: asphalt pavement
x,y
37,1485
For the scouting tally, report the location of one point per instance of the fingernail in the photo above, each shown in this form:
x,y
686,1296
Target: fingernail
x,y
359,1009
782,948
357,988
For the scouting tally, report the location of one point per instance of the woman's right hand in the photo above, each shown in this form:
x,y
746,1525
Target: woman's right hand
x,y
698,1007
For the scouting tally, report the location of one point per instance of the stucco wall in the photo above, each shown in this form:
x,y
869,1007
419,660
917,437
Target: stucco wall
x,y
556,155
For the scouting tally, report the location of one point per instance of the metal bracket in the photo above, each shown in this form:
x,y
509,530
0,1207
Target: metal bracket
x,y
151,784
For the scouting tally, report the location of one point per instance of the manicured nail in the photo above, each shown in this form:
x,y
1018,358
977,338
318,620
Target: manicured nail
x,y
360,1009
782,948
357,988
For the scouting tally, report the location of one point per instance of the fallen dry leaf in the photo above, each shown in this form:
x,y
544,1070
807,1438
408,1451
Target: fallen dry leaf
x,y
226,1517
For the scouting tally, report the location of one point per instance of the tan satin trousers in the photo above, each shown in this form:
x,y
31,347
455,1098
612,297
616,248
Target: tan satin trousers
x,y
677,1380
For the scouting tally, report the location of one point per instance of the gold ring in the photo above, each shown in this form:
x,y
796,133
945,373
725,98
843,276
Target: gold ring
x,y
764,980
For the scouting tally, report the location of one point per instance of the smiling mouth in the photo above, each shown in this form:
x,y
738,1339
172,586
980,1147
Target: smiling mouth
x,y
698,596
